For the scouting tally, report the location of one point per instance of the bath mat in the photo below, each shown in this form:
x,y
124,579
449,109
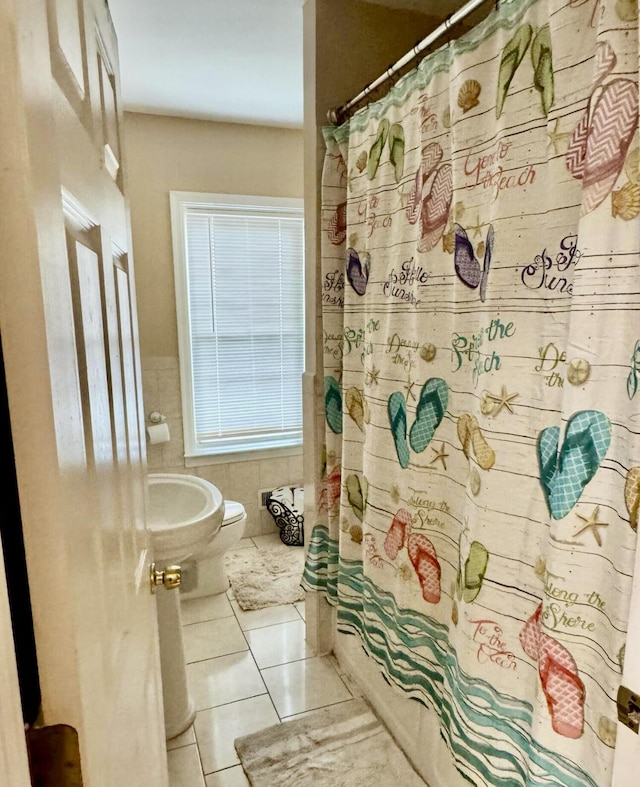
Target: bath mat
x,y
266,577
344,745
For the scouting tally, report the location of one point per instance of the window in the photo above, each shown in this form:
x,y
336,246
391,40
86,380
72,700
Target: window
x,y
239,272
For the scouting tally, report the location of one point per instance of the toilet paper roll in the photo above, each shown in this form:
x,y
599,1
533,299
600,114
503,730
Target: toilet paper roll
x,y
158,433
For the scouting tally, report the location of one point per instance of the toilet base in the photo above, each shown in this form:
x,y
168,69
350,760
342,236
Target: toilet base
x,y
205,573
210,577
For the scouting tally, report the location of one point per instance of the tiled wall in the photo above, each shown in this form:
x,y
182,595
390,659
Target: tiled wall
x,y
236,480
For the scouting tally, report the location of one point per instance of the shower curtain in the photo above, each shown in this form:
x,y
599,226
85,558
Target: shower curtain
x,y
478,505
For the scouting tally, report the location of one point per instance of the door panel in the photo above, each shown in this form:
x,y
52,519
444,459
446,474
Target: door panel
x,y
68,321
128,360
69,38
109,111
86,289
68,53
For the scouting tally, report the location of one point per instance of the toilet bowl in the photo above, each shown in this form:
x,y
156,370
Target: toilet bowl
x,y
204,573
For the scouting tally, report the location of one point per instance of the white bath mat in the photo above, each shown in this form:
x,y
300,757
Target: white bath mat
x,y
266,577
344,745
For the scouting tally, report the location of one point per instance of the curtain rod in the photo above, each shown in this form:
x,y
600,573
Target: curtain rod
x,y
339,114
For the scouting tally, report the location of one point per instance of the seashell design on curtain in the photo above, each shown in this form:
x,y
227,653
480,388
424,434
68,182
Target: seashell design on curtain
x,y
477,515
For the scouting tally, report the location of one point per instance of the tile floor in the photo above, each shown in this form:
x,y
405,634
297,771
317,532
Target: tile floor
x,y
246,671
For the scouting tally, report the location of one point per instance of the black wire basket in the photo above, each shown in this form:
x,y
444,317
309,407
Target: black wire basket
x,y
289,520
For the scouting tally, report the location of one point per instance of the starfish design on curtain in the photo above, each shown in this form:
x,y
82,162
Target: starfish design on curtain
x,y
440,455
371,376
556,137
503,400
592,523
477,227
409,389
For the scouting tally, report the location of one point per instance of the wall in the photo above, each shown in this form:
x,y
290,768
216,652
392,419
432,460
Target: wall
x,y
166,154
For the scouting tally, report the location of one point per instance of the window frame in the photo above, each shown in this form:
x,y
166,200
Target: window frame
x,y
180,203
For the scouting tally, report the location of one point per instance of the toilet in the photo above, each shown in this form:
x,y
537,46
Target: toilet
x,y
204,574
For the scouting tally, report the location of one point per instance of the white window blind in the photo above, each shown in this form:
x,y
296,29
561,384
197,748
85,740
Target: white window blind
x,y
240,280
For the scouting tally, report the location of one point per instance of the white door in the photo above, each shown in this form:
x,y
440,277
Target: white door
x,y
69,334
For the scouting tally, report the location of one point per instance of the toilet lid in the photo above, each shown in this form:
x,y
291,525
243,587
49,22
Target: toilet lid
x,y
232,512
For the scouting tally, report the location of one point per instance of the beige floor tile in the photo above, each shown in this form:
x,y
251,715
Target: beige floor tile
x,y
304,685
269,616
245,548
224,679
184,767
197,610
217,729
244,543
212,638
230,777
269,540
187,737
279,644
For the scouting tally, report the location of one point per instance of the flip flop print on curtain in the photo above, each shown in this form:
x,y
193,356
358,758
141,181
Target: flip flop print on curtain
x,y
601,138
471,438
632,379
333,404
358,269
563,689
330,486
471,576
357,407
357,490
541,59
466,263
394,135
430,197
471,573
421,551
564,475
430,411
632,495
338,225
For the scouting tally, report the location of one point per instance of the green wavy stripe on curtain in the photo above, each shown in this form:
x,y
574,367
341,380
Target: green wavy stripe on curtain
x,y
488,732
415,654
507,16
321,565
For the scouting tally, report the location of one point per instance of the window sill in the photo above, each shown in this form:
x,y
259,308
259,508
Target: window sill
x,y
242,456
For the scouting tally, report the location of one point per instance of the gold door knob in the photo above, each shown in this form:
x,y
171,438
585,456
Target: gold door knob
x,y
170,577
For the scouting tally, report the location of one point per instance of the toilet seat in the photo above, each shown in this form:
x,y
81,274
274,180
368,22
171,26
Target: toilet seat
x,y
233,512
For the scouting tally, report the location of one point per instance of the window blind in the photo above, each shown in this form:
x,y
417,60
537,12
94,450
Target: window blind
x,y
245,287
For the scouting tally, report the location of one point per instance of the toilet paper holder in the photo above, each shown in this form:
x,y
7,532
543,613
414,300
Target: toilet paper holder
x,y
156,418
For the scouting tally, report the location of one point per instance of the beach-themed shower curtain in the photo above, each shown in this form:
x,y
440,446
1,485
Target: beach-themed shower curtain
x,y
478,506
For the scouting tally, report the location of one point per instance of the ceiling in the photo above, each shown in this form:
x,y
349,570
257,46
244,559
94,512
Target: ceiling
x,y
226,60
